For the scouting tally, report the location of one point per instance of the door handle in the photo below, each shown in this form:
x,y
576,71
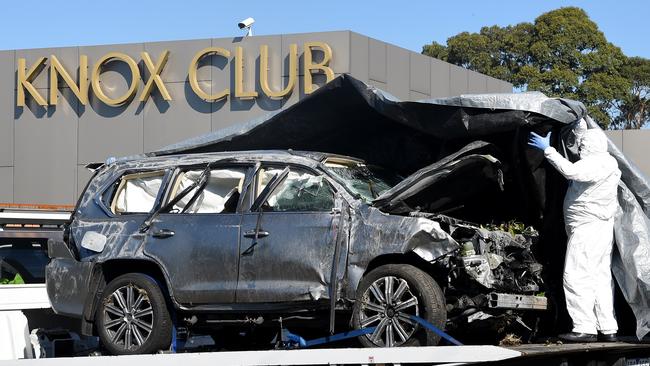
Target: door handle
x,y
163,233
251,234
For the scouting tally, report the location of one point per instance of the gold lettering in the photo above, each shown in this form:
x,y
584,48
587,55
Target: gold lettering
x,y
264,72
133,87
24,81
194,83
309,66
239,76
154,77
57,69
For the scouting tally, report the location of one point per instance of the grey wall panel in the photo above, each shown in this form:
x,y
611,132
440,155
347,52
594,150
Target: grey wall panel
x,y
477,83
439,78
413,95
183,117
458,79
45,161
378,84
299,90
420,73
506,87
378,60
635,147
180,58
110,131
494,85
616,137
398,72
68,56
359,51
232,111
106,130
6,184
338,41
83,175
6,109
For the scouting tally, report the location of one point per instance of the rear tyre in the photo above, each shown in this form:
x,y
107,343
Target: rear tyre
x,y
132,317
387,296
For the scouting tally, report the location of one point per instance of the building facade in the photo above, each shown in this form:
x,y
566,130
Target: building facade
x,y
62,108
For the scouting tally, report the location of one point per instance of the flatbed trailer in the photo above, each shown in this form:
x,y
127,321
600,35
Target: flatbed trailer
x,y
601,354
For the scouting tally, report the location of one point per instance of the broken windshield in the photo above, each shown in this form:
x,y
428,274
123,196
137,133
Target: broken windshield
x,y
368,182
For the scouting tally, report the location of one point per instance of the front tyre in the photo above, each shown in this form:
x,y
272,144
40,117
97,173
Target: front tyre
x,y
132,317
387,296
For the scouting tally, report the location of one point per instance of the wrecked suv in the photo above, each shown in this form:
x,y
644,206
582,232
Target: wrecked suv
x,y
223,241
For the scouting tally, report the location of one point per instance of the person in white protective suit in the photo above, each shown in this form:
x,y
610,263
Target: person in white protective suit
x,y
589,207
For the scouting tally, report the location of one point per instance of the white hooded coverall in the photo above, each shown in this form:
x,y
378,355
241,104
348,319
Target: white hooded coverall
x,y
589,207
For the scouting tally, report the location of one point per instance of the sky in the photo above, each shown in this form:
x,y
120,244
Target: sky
x,y
409,24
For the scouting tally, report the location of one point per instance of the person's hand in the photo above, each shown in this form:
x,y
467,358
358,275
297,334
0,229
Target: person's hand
x,y
540,142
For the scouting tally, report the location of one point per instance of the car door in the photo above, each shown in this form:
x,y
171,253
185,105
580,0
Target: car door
x,y
197,240
288,246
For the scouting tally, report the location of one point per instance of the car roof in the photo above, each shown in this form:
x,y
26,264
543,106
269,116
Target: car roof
x,y
309,158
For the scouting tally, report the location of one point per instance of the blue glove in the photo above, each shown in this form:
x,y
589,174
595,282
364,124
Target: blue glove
x,y
540,142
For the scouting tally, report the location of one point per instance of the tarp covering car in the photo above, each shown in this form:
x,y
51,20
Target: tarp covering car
x,y
349,117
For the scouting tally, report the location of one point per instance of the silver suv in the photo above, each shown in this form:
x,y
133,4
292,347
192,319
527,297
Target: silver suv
x,y
223,242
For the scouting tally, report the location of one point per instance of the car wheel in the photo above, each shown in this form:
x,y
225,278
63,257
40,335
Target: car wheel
x,y
387,296
132,317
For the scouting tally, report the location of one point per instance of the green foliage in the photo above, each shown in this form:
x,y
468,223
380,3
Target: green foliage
x,y
512,227
634,108
17,280
562,54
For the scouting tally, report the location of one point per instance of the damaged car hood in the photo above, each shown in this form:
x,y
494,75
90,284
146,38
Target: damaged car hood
x,y
437,187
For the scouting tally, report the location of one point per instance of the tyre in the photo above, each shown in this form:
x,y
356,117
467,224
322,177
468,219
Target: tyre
x,y
385,299
132,317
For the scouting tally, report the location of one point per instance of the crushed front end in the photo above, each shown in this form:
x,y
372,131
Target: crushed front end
x,y
494,281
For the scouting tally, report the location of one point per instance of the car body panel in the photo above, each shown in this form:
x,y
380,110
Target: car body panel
x,y
200,258
293,262
68,285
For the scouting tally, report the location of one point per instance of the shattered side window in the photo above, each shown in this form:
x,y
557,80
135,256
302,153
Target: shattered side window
x,y
220,195
136,193
300,191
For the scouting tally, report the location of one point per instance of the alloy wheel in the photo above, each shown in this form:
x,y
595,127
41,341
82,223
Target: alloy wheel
x,y
387,305
128,317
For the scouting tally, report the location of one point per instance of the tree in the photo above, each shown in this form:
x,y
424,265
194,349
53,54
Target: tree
x,y
562,54
634,108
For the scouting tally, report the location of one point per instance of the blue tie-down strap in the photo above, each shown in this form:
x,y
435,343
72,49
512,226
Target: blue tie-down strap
x,y
302,343
436,330
340,336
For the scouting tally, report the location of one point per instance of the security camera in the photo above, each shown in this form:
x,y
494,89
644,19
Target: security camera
x,y
247,24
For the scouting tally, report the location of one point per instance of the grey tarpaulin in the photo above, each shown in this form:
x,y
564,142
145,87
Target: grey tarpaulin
x,y
348,117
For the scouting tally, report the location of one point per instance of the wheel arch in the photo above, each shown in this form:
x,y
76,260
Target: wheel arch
x,y
416,274
105,272
408,258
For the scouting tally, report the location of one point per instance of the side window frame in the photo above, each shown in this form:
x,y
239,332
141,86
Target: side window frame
x,y
175,176
292,168
99,198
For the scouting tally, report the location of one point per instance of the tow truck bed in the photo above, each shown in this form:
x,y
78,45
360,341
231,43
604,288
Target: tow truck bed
x,y
530,355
